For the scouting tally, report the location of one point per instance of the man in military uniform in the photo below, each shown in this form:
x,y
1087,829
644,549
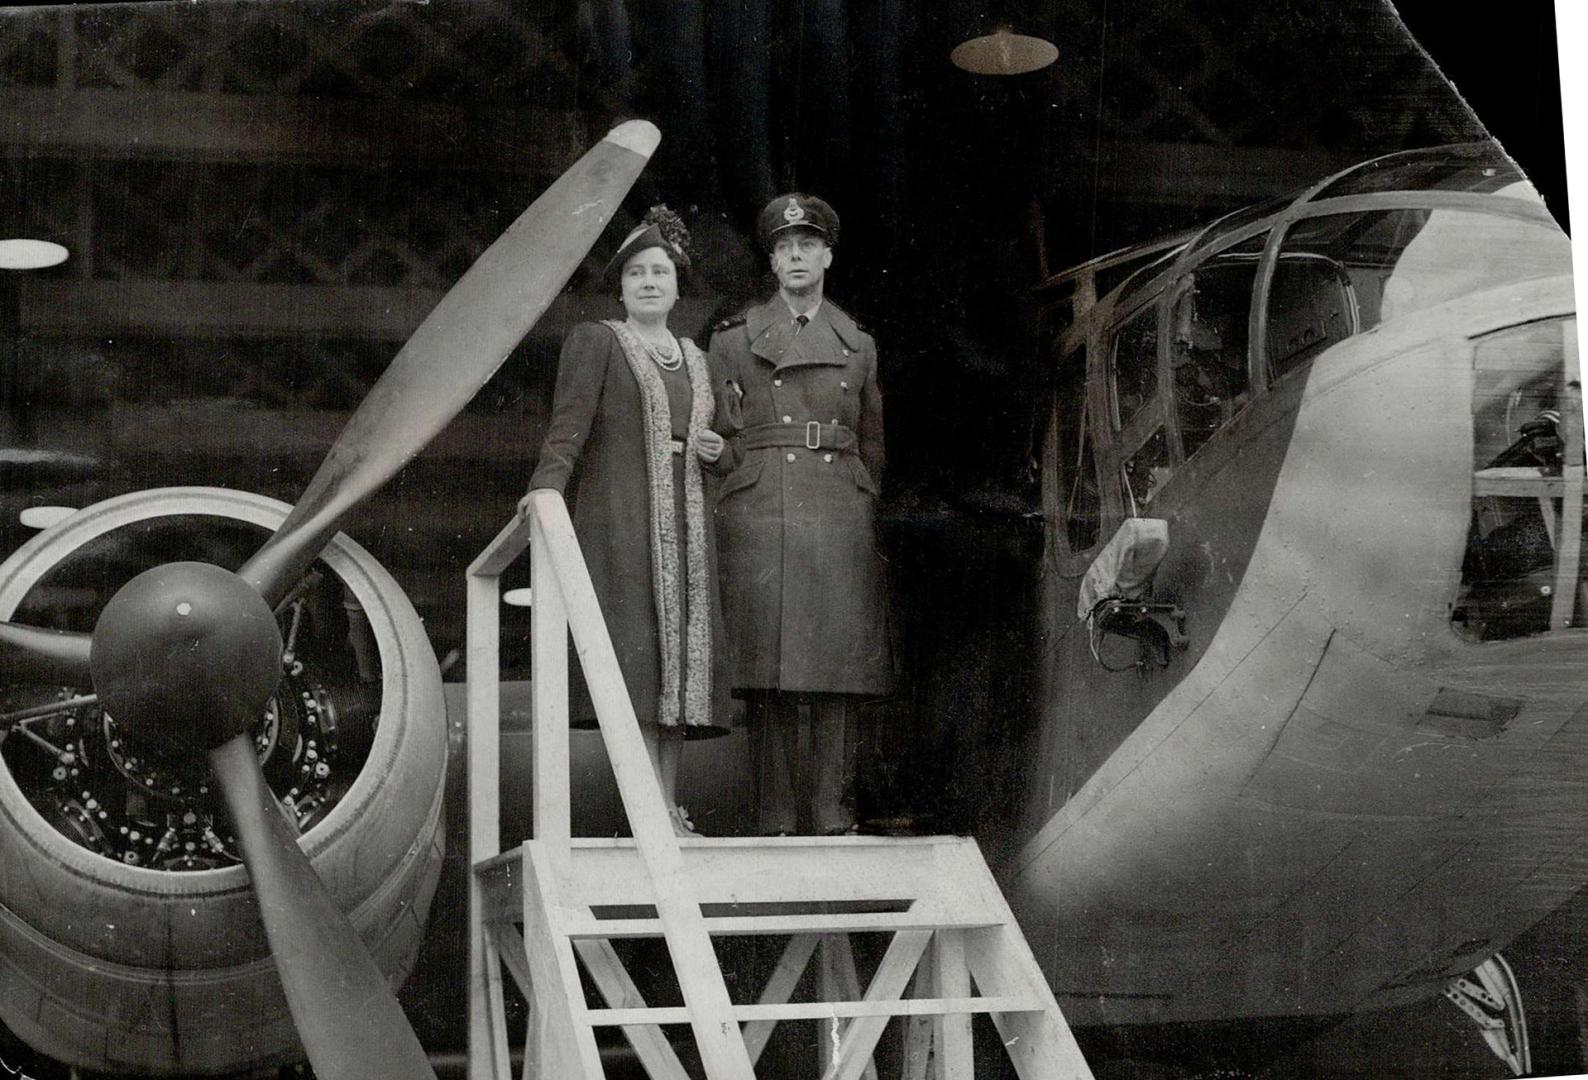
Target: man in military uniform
x,y
802,583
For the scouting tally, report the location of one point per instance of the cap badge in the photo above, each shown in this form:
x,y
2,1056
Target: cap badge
x,y
793,212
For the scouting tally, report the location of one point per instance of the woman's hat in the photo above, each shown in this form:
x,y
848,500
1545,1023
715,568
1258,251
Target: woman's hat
x,y
660,228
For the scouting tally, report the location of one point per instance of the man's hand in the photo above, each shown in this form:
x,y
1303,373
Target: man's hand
x,y
709,446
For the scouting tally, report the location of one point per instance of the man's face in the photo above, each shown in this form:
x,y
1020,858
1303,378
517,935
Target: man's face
x,y
800,260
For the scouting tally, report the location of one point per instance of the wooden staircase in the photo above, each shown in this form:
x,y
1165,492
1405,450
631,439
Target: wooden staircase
x,y
557,902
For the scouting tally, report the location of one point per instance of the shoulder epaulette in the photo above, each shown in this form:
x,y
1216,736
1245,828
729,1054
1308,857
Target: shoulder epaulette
x,y
858,325
730,322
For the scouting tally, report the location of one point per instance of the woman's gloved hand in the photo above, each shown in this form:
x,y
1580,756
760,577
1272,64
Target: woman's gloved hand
x,y
708,445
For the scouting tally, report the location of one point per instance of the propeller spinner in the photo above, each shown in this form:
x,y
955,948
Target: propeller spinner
x,y
189,654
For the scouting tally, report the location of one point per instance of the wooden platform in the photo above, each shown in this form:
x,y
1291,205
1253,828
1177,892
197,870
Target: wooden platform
x,y
549,910
953,947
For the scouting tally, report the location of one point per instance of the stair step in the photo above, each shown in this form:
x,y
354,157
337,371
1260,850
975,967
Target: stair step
x,y
859,923
822,1010
749,870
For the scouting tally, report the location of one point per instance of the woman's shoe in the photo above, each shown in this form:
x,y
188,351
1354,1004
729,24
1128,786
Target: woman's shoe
x,y
682,826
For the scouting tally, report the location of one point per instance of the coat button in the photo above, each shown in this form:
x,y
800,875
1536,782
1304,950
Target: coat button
x,y
788,419
846,352
777,382
827,458
791,457
843,386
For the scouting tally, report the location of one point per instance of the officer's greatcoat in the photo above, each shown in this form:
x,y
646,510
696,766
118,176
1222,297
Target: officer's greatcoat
x,y
803,586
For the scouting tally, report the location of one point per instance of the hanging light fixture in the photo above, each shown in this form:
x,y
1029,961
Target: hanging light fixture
x,y
19,254
1004,52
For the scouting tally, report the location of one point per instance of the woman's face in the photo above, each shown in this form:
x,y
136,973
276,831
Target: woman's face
x,y
650,284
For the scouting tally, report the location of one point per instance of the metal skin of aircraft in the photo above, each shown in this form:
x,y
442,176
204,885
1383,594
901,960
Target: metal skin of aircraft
x,y
131,941
1333,753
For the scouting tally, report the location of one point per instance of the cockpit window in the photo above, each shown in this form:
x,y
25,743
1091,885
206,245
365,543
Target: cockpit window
x,y
1340,274
1135,364
1522,573
1363,252
1208,350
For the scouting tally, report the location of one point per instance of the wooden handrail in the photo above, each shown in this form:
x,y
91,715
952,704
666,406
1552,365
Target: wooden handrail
x,y
565,601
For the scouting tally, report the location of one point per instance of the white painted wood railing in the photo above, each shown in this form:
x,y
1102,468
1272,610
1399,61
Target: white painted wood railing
x,y
564,600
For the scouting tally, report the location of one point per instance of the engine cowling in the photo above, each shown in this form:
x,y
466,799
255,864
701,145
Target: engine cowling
x,y
110,965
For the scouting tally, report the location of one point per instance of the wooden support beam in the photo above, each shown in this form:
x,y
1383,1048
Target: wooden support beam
x,y
919,1030
1039,1043
508,948
548,639
818,1010
488,1052
752,870
781,924
487,1019
252,129
215,309
1178,174
565,1044
509,945
656,1054
779,988
238,310
859,1041
839,982
952,1038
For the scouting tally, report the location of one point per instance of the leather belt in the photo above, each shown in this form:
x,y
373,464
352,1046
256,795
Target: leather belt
x,y
811,435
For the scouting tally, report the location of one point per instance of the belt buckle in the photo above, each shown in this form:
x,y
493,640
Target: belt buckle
x,y
813,435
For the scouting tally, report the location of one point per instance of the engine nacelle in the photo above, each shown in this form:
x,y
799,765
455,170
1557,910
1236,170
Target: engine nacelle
x,y
120,966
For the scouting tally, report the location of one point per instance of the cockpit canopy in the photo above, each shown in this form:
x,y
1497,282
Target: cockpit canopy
x,y
1158,348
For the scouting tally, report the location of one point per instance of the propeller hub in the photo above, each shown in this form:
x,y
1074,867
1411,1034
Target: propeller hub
x,y
186,654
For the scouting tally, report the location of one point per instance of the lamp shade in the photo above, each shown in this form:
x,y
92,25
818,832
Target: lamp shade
x,y
20,254
1004,52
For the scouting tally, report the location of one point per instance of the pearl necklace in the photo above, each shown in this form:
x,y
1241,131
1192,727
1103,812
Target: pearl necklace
x,y
672,360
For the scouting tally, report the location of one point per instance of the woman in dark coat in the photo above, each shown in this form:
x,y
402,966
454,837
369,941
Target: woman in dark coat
x,y
630,444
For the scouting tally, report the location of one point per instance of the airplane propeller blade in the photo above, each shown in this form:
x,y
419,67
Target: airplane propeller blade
x,y
457,348
31,654
350,1023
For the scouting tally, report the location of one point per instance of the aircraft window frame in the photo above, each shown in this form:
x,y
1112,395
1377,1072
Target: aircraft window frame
x,y
1152,388
1519,210
1475,167
1272,371
1132,439
1242,397
1074,428
1304,210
